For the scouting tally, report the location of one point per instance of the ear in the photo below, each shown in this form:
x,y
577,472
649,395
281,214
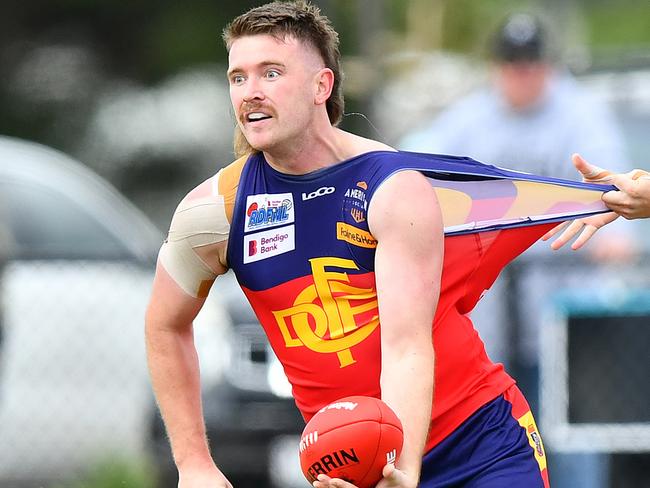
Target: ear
x,y
324,81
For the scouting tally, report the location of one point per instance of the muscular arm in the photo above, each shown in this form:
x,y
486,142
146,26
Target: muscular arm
x,y
405,218
189,261
173,366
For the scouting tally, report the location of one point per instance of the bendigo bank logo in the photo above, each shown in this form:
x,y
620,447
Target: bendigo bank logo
x,y
330,316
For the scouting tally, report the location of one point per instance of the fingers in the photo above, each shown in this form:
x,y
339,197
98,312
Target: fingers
x,y
590,172
325,481
568,234
554,231
636,174
633,199
624,182
619,201
585,235
616,201
585,227
389,471
393,478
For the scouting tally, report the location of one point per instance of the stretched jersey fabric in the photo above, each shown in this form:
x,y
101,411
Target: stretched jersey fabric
x,y
302,252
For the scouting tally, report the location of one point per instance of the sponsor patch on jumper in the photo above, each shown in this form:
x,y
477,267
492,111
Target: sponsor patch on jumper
x,y
263,245
268,210
321,192
358,196
355,202
358,237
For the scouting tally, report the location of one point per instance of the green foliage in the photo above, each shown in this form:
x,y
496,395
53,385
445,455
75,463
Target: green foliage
x,y
617,23
115,473
468,23
181,35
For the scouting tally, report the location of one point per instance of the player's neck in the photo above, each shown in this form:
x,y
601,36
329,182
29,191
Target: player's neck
x,y
324,148
316,149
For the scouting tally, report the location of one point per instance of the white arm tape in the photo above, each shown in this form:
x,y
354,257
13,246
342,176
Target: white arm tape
x,y
200,220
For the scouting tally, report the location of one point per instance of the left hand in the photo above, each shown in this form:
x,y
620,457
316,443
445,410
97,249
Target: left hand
x,y
393,478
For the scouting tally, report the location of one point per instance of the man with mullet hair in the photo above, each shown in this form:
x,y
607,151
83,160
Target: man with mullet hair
x,y
337,242
280,22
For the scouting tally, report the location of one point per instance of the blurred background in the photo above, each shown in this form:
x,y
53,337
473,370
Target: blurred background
x,y
113,111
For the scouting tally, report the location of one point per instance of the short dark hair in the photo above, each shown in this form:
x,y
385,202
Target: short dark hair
x,y
304,22
520,37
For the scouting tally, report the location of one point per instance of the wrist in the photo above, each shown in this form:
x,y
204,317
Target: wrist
x,y
195,461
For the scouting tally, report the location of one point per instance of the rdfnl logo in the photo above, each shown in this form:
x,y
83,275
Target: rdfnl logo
x,y
322,191
266,244
272,213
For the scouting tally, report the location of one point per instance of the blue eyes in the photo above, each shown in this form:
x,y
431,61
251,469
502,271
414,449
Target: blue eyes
x,y
271,74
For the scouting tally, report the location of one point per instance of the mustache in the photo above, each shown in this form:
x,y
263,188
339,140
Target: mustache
x,y
247,107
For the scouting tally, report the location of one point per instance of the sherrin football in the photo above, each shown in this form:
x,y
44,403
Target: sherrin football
x,y
353,439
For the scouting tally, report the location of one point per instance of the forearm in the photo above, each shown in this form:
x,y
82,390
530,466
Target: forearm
x,y
174,370
407,387
408,264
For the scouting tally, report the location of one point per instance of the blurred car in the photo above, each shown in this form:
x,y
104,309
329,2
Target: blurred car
x,y
74,390
78,267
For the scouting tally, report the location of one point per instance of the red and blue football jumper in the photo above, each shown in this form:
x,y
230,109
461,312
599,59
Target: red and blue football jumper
x,y
302,252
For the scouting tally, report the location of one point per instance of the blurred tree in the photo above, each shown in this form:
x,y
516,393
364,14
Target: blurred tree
x,y
147,40
619,32
462,25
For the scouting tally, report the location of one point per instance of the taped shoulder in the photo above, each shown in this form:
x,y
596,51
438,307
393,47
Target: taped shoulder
x,y
199,229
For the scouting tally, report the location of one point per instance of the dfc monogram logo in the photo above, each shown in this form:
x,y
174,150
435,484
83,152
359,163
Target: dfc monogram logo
x,y
324,315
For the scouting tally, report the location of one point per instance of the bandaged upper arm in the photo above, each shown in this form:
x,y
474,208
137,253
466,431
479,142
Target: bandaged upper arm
x,y
189,252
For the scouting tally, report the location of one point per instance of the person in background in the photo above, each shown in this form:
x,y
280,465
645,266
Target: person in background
x,y
531,118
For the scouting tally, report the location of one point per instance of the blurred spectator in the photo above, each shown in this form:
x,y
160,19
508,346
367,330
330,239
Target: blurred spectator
x,y
531,118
